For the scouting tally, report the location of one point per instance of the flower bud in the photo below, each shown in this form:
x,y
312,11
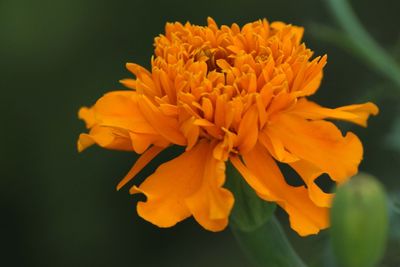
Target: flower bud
x,y
359,222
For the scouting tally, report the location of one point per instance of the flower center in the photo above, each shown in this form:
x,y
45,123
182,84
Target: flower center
x,y
210,56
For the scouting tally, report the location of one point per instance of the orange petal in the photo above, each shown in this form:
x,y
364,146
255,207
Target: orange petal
x,y
117,123
263,175
88,115
362,111
310,85
357,113
248,130
120,109
211,204
84,141
141,142
275,146
130,83
106,137
166,126
187,185
142,161
309,173
320,143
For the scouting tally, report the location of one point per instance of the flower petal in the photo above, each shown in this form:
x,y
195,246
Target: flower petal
x,y
118,109
106,137
309,173
187,185
248,130
320,143
212,204
275,146
357,113
166,126
263,175
140,163
117,123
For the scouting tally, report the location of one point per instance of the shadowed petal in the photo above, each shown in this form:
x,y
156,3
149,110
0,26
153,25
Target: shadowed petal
x,y
190,184
263,175
309,173
211,205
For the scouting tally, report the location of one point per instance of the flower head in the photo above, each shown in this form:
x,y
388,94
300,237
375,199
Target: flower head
x,y
228,93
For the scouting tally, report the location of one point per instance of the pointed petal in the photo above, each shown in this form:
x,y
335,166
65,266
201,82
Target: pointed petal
x,y
248,130
357,113
140,163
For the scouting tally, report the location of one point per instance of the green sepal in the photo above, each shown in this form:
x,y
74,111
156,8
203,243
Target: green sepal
x,y
255,227
249,211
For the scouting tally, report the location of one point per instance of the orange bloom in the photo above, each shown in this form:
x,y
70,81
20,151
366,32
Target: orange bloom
x,y
228,93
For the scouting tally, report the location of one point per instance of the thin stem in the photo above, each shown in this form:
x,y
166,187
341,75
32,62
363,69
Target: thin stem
x,y
268,246
372,52
255,227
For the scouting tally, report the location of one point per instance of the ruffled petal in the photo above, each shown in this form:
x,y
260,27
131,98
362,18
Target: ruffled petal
x,y
118,109
263,175
211,205
309,173
117,123
190,184
106,137
357,113
320,143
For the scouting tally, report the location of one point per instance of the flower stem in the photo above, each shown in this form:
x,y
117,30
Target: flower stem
x,y
255,227
267,246
370,50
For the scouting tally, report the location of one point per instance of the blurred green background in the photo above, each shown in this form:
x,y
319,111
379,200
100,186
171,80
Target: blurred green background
x,y
60,208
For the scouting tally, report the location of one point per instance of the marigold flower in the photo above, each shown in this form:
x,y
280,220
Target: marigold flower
x,y
228,93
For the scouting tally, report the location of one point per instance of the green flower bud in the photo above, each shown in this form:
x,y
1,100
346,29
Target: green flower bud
x,y
359,222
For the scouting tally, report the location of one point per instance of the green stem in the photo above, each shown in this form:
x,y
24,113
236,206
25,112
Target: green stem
x,y
255,227
370,50
267,246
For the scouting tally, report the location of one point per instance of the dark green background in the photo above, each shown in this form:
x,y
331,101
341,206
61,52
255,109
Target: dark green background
x,y
60,208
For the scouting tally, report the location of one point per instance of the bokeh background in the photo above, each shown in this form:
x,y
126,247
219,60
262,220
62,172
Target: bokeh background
x,y
60,208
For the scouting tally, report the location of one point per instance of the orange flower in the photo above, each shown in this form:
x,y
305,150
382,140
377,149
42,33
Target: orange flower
x,y
228,93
